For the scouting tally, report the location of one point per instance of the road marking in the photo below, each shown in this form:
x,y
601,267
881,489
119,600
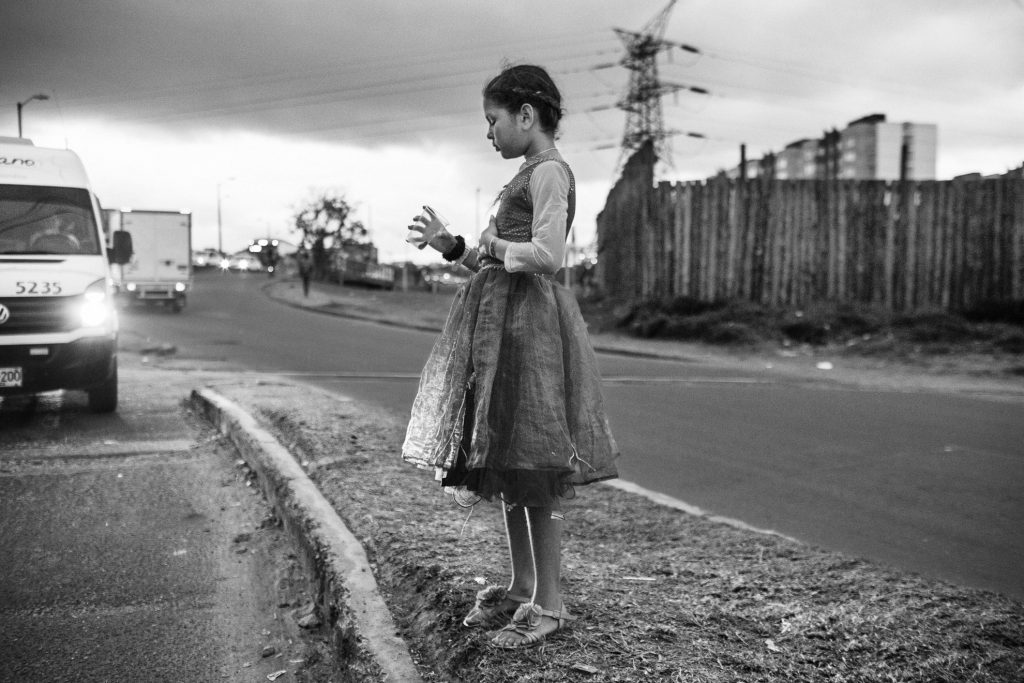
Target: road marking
x,y
612,379
686,380
96,456
675,503
345,375
103,449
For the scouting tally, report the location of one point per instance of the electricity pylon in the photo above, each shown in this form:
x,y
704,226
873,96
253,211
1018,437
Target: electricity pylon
x,y
642,103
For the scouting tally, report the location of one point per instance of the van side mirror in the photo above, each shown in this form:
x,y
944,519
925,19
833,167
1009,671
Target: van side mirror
x,y
121,249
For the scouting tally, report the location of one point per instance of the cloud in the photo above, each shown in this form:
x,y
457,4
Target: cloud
x,y
381,98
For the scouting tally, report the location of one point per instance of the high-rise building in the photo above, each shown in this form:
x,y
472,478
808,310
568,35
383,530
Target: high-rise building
x,y
871,148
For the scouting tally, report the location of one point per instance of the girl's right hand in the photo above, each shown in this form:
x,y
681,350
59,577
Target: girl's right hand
x,y
429,229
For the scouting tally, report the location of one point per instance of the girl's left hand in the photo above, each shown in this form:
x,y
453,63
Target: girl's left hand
x,y
490,233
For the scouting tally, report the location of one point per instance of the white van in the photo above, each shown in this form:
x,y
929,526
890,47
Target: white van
x,y
58,324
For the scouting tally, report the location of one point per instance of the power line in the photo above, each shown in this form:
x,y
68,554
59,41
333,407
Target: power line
x,y
767,63
436,60
336,93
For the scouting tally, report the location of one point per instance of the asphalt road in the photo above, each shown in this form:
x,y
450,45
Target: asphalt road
x,y
131,548
924,481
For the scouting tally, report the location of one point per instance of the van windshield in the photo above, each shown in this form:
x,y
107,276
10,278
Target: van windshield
x,y
47,220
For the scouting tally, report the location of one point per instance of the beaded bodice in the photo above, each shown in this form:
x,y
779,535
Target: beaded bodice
x,y
515,213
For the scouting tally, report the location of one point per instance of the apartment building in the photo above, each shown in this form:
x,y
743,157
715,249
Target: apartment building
x,y
869,148
872,148
798,161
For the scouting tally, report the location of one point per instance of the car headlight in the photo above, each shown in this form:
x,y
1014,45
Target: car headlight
x,y
96,308
179,286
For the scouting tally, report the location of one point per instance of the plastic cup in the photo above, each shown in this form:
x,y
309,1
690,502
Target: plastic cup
x,y
414,238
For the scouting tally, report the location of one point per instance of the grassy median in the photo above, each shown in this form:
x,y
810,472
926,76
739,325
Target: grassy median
x,y
661,595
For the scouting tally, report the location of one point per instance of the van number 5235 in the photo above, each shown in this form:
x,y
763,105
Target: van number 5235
x,y
41,288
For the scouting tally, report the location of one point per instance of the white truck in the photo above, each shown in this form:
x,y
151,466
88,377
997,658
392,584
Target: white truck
x,y
160,270
58,323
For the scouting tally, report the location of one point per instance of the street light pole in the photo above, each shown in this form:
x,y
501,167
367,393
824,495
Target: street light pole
x,y
220,235
22,104
220,231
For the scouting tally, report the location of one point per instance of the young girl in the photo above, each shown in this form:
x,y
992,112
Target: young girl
x,y
509,403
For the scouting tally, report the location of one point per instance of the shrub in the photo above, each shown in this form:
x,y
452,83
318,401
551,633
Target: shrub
x,y
1011,341
933,327
648,327
688,305
731,333
1011,312
684,328
865,329
811,332
638,313
855,321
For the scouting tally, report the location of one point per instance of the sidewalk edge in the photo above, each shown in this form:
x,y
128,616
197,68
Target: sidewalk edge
x,y
363,634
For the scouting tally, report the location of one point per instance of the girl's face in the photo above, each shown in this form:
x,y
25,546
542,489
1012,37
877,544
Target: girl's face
x,y
504,131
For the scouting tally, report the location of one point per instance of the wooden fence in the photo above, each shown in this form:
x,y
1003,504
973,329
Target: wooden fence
x,y
906,245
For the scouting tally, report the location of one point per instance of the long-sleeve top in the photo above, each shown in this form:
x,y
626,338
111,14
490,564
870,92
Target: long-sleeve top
x,y
549,189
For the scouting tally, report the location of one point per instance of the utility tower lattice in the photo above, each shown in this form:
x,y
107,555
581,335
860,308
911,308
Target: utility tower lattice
x,y
642,103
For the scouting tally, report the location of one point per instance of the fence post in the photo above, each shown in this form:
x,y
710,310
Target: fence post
x,y
1017,216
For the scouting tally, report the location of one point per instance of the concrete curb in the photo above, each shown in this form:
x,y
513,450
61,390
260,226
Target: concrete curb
x,y
366,645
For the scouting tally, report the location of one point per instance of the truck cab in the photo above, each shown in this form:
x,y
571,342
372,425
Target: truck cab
x,y
58,323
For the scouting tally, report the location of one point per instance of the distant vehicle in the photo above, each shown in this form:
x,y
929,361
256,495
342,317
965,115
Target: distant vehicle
x,y
357,264
206,258
267,252
435,277
58,324
242,262
160,271
352,271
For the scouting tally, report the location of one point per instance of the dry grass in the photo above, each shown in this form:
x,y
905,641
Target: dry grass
x,y
660,595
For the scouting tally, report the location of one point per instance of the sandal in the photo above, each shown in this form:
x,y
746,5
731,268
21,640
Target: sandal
x,y
526,624
490,604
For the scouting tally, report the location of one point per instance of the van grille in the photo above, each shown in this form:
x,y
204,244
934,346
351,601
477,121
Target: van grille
x,y
40,315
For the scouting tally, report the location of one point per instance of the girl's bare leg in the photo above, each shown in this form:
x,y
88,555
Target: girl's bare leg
x,y
517,530
546,537
545,532
522,585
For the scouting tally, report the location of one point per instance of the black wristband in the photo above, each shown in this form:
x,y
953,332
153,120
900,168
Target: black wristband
x,y
455,252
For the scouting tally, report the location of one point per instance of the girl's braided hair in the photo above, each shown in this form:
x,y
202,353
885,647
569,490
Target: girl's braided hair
x,y
527,84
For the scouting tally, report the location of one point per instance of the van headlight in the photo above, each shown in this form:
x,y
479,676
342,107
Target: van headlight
x,y
96,308
179,286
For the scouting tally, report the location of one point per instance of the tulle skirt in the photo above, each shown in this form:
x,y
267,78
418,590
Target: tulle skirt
x,y
509,403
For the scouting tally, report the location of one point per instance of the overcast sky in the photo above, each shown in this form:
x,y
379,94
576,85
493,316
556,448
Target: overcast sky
x,y
268,102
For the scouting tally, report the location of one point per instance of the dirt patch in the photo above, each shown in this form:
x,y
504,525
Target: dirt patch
x,y
660,594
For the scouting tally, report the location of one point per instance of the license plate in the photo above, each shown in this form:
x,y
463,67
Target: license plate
x,y
10,377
